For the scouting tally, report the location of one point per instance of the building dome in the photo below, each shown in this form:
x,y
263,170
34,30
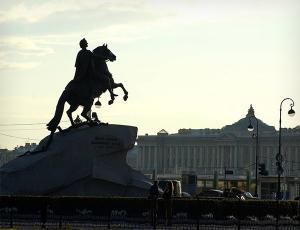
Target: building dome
x,y
242,124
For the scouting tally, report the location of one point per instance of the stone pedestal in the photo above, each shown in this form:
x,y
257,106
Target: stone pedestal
x,y
87,161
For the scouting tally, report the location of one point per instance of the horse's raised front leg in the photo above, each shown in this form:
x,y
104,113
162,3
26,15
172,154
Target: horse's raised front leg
x,y
112,95
116,85
69,113
112,98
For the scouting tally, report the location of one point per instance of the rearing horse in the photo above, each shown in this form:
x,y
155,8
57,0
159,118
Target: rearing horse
x,y
98,81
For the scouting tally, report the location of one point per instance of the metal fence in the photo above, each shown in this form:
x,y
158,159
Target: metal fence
x,y
115,213
98,222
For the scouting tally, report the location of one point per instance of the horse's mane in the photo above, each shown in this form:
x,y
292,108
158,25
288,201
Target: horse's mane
x,y
98,50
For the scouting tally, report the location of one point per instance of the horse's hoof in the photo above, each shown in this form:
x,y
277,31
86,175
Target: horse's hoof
x,y
111,102
125,97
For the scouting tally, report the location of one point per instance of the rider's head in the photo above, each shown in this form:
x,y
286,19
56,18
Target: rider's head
x,y
83,43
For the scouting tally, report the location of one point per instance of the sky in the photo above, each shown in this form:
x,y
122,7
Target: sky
x,y
186,64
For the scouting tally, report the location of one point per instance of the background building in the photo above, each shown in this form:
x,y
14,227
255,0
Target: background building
x,y
208,153
131,157
8,155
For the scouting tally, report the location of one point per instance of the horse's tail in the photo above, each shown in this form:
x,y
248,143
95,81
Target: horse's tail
x,y
52,125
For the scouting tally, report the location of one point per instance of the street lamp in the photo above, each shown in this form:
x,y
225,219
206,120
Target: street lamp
x,y
250,129
291,112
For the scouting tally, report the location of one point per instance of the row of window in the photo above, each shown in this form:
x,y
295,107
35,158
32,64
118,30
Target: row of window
x,y
151,157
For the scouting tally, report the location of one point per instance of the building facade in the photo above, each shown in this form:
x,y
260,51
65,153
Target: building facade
x,y
208,153
8,155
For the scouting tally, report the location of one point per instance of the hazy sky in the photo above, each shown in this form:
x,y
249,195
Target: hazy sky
x,y
186,64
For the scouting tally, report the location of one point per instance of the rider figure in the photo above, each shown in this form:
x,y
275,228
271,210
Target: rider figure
x,y
83,62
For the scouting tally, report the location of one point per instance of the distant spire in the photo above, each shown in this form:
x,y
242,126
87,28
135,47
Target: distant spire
x,y
250,112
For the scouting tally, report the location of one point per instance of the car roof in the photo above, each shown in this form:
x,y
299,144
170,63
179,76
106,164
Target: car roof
x,y
213,190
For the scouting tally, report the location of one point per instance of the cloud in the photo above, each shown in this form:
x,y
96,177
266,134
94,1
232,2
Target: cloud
x,y
4,65
33,13
14,49
142,20
36,11
24,45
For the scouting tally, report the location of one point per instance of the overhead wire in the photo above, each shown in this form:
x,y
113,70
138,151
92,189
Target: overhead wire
x,y
24,138
7,130
21,124
21,129
25,124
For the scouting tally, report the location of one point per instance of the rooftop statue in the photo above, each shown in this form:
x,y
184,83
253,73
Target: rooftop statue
x,y
92,78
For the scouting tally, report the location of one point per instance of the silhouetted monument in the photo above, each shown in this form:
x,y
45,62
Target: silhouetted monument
x,y
92,78
88,159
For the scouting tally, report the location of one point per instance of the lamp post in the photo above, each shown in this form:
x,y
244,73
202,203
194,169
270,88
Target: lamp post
x,y
251,128
291,112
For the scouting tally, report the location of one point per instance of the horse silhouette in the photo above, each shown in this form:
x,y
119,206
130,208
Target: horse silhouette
x,y
98,81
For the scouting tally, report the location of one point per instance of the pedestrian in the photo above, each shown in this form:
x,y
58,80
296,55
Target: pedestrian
x,y
153,195
168,202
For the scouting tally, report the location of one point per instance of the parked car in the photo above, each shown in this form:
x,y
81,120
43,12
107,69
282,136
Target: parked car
x,y
249,196
211,193
176,184
243,195
233,193
186,195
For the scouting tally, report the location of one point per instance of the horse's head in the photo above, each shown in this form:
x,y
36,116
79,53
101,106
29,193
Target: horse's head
x,y
104,52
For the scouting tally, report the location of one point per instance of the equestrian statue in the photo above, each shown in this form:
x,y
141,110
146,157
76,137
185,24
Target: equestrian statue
x,y
92,78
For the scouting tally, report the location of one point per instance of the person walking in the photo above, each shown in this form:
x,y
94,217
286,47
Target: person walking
x,y
168,202
153,196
